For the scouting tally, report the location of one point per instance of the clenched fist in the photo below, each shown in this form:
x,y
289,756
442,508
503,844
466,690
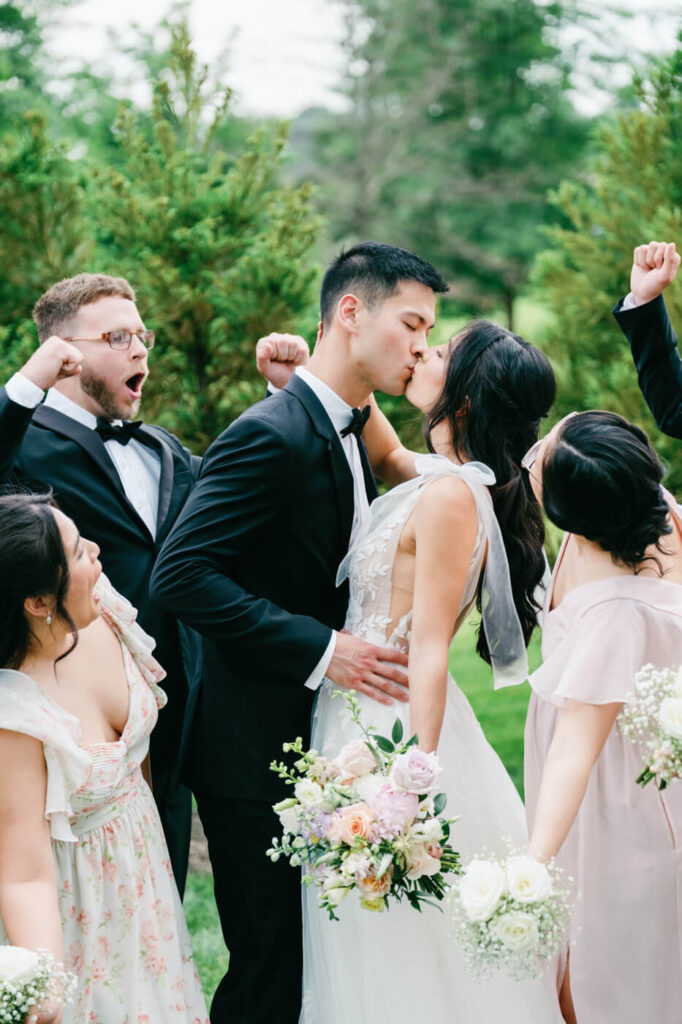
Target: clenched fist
x,y
53,361
654,267
278,355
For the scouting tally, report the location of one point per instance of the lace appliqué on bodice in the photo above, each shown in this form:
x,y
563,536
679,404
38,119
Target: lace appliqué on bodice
x,y
368,567
369,564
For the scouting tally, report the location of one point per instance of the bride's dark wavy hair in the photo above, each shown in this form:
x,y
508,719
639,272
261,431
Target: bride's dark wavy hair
x,y
498,387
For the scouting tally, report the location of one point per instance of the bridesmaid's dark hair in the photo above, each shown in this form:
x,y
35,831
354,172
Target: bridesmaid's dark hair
x,y
601,479
32,564
497,389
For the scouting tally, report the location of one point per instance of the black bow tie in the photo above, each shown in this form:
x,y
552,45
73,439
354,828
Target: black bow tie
x,y
122,433
357,422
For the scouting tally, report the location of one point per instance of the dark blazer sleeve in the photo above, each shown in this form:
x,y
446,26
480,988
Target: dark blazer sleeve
x,y
236,504
14,422
659,368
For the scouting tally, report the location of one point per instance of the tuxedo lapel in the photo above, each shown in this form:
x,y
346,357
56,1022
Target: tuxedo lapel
x,y
341,472
147,435
90,441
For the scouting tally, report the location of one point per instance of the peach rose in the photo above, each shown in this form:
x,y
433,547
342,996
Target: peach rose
x,y
373,887
355,822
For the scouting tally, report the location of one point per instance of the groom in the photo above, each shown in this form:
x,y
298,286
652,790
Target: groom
x,y
251,564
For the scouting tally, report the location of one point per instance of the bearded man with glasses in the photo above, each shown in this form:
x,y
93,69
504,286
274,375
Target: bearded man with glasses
x,y
65,424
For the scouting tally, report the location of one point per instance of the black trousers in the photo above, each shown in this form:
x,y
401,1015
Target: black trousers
x,y
174,803
259,904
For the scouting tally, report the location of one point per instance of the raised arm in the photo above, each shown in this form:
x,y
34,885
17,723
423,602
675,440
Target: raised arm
x,y
445,527
580,736
388,457
644,320
53,361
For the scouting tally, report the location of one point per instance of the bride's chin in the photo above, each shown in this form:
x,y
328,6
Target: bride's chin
x,y
413,399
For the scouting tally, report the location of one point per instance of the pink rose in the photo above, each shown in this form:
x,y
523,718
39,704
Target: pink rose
x,y
394,810
415,771
356,759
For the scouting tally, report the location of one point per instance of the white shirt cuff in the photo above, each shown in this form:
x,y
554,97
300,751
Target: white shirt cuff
x,y
628,303
23,391
317,674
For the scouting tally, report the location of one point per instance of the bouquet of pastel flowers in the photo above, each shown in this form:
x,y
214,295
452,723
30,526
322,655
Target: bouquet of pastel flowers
x,y
510,913
367,820
28,982
652,719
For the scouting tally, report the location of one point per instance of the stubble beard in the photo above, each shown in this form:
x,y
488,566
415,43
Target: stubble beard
x,y
99,390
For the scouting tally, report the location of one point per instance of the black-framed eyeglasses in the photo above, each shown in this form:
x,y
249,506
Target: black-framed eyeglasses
x,y
121,339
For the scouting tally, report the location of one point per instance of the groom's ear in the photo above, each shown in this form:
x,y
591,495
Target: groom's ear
x,y
348,308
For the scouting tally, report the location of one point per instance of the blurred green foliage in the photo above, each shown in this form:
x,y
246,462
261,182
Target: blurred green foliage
x,y
459,121
215,247
634,194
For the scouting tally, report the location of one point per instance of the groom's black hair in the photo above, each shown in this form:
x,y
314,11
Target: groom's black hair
x,y
374,270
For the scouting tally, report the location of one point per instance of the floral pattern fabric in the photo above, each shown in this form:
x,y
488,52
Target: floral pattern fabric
x,y
125,936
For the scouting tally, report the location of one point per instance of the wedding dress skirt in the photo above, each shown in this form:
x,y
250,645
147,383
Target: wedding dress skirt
x,y
401,965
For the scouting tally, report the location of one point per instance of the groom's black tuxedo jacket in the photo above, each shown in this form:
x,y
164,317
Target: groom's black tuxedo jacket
x,y
42,447
659,367
251,563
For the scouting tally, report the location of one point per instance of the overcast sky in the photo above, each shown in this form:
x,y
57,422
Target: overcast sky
x,y
286,54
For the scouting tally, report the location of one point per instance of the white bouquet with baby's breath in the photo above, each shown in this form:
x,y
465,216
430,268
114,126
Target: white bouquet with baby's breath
x,y
510,913
29,981
652,719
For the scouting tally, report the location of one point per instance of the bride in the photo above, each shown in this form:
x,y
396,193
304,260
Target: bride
x,y
467,530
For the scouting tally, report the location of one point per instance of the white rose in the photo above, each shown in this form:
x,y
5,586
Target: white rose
x,y
17,965
309,793
368,786
414,771
670,716
356,759
528,881
480,889
422,863
516,930
428,831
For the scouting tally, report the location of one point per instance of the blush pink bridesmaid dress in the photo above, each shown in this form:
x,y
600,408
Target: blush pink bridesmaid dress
x,y
625,847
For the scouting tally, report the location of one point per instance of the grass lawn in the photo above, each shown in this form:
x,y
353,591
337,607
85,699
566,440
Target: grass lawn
x,y
501,713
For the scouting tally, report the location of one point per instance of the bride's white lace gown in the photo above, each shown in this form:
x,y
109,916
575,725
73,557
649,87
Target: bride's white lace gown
x,y
400,966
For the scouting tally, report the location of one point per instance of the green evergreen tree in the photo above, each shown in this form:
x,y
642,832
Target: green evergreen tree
x,y
215,249
634,195
44,234
459,122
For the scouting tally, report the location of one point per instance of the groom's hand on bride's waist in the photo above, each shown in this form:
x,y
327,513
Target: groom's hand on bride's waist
x,y
378,672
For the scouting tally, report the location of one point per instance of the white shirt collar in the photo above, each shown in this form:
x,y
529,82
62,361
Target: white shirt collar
x,y
338,411
56,400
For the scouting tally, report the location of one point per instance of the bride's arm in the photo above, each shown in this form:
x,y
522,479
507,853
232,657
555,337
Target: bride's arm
x,y
388,457
445,527
580,735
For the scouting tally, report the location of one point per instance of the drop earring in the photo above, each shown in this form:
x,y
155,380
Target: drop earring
x,y
49,619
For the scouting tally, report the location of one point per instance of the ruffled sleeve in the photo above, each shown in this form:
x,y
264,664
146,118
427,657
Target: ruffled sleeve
x,y
603,648
119,613
26,709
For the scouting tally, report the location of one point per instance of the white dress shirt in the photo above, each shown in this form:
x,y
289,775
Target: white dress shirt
x,y
138,466
339,413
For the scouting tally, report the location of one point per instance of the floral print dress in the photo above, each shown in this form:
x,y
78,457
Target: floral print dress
x,y
125,936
